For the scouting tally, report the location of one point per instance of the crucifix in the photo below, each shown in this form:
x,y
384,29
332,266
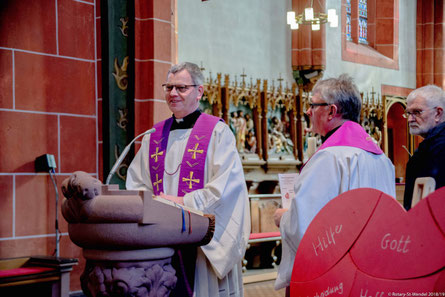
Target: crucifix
x,y
202,67
372,95
280,79
244,78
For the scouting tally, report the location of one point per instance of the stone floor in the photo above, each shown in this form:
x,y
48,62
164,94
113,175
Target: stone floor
x,y
260,283
262,289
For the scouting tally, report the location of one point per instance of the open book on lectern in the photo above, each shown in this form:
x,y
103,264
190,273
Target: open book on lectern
x,y
171,203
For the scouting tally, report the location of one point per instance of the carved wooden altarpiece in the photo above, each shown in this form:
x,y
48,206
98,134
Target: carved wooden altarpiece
x,y
263,120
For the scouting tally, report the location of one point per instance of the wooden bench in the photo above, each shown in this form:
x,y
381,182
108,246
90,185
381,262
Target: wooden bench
x,y
263,229
36,276
265,237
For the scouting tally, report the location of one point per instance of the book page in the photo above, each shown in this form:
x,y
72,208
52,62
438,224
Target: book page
x,y
186,208
287,181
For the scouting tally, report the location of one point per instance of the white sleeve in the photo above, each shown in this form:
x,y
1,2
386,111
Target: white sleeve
x,y
138,173
317,184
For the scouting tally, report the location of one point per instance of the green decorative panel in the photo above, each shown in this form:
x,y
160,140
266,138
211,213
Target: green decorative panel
x,y
117,27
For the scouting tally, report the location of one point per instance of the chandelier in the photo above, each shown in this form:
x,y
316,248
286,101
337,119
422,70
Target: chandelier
x,y
311,18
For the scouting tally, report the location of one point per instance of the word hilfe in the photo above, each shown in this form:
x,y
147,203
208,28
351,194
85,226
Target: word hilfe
x,y
400,246
326,240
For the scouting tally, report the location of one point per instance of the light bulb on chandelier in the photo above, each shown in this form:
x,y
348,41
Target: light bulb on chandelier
x,y
311,18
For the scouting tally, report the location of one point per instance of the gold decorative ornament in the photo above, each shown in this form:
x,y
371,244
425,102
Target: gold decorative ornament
x,y
120,73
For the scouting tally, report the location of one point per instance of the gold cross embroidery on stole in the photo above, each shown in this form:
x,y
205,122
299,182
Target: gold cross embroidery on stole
x,y
190,180
195,150
157,182
156,154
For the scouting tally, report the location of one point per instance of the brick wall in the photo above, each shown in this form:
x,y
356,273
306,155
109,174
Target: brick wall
x,y
51,102
155,52
48,104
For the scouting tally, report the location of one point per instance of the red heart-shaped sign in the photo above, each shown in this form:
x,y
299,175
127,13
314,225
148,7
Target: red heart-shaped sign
x,y
436,204
365,285
368,234
332,232
336,282
395,240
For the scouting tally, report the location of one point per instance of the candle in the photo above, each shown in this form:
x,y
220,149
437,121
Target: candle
x,y
311,146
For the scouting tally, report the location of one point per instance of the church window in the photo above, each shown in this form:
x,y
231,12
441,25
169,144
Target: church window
x,y
370,32
348,20
363,21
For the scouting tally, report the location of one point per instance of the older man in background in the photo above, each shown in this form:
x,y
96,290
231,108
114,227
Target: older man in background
x,y
425,114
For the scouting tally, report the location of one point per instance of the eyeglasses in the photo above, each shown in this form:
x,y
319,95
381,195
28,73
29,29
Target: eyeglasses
x,y
415,113
179,88
312,105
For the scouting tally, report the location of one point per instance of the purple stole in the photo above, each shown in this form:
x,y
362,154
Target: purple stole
x,y
191,175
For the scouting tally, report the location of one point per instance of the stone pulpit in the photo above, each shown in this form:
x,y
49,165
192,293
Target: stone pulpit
x,y
128,237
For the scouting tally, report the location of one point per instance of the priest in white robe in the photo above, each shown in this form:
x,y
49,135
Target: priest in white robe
x,y
223,193
347,159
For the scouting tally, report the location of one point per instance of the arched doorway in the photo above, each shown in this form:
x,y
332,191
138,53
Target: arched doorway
x,y
397,136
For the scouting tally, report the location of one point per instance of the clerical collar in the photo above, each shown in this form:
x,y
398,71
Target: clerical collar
x,y
186,122
324,138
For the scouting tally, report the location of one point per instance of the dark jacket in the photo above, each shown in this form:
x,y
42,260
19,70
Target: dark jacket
x,y
427,161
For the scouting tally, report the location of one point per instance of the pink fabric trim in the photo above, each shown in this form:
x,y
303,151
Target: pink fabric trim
x,y
24,271
352,134
264,235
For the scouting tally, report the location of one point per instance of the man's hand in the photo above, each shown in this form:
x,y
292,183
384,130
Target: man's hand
x,y
179,200
278,214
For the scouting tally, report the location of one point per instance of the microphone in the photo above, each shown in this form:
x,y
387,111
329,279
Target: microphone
x,y
124,153
406,149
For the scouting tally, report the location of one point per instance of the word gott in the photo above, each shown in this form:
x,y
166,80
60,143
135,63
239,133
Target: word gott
x,y
400,246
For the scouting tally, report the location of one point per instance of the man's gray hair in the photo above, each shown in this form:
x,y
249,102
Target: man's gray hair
x,y
433,95
192,69
343,93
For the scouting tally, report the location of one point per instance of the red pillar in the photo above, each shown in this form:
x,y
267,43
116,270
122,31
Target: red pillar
x,y
308,47
155,52
430,43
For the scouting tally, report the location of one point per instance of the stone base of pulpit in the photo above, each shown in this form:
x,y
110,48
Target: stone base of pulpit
x,y
142,273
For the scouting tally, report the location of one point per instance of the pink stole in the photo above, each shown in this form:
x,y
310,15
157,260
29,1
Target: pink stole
x,y
191,175
352,134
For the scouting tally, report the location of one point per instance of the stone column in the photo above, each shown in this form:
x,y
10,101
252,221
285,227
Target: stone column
x,y
308,47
